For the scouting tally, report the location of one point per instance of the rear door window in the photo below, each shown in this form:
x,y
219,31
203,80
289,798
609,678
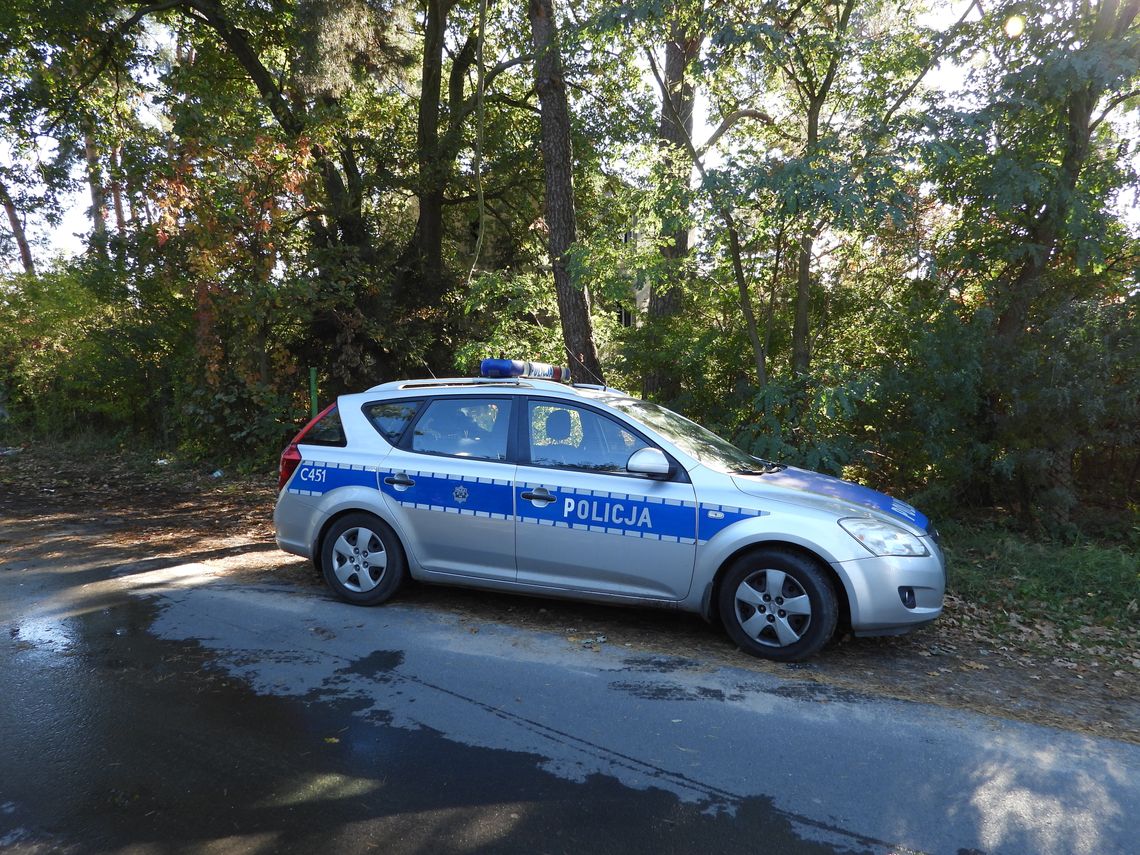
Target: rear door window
x,y
463,427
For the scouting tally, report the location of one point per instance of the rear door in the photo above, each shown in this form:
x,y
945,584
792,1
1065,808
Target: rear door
x,y
448,483
587,524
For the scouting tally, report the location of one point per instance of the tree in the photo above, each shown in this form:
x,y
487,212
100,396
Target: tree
x,y
675,132
573,297
16,224
1033,170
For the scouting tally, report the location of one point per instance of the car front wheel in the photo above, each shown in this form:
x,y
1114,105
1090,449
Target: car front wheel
x,y
778,605
362,560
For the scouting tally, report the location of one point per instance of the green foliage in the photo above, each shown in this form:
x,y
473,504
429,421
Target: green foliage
x,y
238,422
1075,389
512,316
76,364
919,419
804,423
1062,583
971,281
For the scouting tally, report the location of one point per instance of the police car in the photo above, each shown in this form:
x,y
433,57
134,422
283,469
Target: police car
x,y
516,482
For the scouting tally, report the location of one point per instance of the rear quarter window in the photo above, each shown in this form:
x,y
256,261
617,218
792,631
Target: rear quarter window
x,y
391,418
327,431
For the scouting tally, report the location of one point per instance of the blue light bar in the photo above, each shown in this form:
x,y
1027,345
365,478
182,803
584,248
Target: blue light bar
x,y
519,368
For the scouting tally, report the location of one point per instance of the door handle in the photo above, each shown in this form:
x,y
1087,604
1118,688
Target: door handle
x,y
400,481
540,496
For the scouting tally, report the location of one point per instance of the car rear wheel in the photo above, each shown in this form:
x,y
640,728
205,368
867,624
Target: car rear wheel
x,y
778,604
362,560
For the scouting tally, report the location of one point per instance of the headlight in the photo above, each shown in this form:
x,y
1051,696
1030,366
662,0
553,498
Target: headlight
x,y
881,538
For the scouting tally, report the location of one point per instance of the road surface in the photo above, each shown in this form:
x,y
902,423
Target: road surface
x,y
173,705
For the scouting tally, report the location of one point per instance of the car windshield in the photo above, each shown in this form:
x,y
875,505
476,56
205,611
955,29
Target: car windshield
x,y
694,440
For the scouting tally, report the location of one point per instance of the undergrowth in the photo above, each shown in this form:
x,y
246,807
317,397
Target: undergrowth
x,y
1068,584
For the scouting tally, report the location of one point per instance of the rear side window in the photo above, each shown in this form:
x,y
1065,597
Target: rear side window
x,y
392,418
326,431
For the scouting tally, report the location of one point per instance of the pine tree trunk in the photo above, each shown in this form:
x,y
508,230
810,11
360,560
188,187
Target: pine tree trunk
x,y
666,299
429,226
573,301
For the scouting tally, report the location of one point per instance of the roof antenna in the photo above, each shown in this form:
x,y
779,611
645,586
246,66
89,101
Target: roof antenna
x,y
578,359
428,367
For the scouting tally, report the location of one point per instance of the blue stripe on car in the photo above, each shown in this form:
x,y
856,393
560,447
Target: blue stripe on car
x,y
317,478
453,494
599,511
713,519
589,510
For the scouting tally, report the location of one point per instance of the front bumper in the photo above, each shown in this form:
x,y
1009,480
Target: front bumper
x,y
892,595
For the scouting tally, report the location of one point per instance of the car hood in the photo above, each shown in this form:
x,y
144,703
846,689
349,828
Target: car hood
x,y
813,483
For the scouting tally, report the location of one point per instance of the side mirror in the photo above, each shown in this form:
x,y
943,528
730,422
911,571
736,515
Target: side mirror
x,y
649,461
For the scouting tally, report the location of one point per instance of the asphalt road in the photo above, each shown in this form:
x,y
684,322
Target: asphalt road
x,y
166,706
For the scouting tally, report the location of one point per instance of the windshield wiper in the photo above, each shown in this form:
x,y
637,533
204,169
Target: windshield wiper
x,y
766,468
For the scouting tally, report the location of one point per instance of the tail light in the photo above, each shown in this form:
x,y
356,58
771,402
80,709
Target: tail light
x,y
290,458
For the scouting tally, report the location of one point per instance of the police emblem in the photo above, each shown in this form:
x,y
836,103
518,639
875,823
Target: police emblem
x,y
460,494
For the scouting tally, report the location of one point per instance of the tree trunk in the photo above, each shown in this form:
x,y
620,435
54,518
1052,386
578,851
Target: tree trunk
x,y
98,191
17,226
817,97
674,135
759,353
573,301
429,227
117,193
801,327
1026,286
723,208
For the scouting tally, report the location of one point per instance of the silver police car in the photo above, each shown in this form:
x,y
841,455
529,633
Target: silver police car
x,y
523,484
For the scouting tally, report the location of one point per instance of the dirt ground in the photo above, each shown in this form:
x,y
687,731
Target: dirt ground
x,y
969,659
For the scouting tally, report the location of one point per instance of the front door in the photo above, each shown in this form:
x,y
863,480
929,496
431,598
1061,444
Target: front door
x,y
584,523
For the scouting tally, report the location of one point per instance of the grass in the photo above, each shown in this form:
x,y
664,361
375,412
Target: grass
x,y
1069,585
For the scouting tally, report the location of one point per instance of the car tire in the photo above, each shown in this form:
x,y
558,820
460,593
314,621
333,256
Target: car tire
x,y
777,604
362,560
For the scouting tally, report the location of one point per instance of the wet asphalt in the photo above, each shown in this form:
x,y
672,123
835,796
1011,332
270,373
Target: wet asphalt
x,y
163,706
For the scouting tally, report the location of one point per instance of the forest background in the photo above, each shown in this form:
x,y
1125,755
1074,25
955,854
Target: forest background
x,y
836,232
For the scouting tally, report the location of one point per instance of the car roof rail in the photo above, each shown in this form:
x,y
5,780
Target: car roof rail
x,y
468,382
441,382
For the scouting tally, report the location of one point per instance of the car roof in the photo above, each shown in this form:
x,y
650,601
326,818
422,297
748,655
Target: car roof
x,y
461,385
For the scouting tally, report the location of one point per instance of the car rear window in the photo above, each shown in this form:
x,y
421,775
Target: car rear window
x,y
327,431
392,418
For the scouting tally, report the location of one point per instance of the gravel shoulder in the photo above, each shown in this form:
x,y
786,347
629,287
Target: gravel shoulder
x,y
969,659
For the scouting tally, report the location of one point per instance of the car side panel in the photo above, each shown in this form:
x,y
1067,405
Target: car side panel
x,y
457,515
